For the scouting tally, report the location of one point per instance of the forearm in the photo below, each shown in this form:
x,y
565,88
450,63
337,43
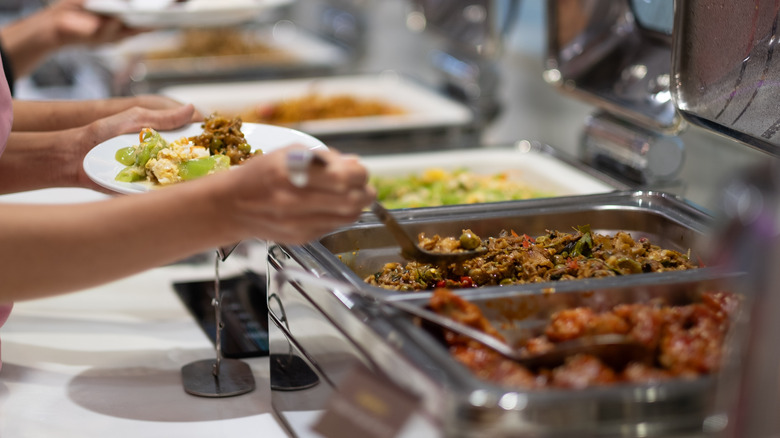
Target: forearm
x,y
39,160
57,115
27,44
34,160
56,249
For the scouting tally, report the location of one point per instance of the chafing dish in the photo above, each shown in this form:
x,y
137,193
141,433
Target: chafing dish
x,y
333,330
611,58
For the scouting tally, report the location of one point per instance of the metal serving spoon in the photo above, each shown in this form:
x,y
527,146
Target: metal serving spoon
x,y
613,349
410,250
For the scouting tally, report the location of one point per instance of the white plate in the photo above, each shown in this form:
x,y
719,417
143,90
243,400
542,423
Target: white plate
x,y
101,166
192,13
540,171
423,107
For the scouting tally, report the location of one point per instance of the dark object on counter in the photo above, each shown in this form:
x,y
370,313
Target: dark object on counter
x,y
244,312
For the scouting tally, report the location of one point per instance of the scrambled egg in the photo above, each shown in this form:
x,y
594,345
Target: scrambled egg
x,y
165,167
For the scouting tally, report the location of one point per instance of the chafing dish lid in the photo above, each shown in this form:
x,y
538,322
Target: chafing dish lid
x,y
660,64
616,55
724,75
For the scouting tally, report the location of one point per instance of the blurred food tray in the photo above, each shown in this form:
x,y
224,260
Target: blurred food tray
x,y
421,107
174,56
537,171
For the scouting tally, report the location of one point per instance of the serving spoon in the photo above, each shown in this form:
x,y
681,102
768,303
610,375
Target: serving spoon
x,y
410,250
613,349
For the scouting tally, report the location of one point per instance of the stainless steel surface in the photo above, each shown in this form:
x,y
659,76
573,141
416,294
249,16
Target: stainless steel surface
x,y
629,152
597,51
724,69
459,402
411,250
391,344
749,241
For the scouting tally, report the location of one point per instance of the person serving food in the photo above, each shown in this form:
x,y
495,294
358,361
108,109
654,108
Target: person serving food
x,y
56,249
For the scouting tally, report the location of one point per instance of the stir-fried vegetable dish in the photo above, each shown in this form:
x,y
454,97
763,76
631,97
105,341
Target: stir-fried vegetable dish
x,y
512,258
437,186
158,161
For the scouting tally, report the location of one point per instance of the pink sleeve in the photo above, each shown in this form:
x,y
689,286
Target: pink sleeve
x,y
6,111
6,119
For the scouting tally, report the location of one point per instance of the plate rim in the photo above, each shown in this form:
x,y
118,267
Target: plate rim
x,y
178,16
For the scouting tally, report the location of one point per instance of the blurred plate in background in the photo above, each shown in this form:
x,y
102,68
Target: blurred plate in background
x,y
192,13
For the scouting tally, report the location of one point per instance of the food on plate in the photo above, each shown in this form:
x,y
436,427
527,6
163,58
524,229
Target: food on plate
x,y
220,145
316,106
686,341
220,42
436,186
512,258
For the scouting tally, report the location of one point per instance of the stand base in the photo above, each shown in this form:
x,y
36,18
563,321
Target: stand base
x,y
234,378
290,373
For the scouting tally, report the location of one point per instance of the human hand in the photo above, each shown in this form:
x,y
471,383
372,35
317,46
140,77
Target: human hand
x,y
158,101
260,201
72,24
130,121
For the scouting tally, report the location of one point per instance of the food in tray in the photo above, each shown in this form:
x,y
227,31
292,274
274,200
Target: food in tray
x,y
437,186
317,106
516,259
221,42
220,145
686,341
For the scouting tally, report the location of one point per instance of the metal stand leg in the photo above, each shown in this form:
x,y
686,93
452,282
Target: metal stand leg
x,y
217,377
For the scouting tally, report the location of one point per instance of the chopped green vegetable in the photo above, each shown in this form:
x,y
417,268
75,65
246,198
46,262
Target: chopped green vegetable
x,y
584,244
131,174
203,166
126,155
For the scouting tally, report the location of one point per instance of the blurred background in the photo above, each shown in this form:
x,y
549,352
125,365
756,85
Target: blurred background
x,y
490,57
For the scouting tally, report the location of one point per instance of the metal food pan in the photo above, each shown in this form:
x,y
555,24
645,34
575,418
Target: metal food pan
x,y
395,345
662,408
355,252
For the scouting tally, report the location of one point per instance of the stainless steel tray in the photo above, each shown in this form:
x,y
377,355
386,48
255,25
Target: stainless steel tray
x,y
355,252
656,409
332,330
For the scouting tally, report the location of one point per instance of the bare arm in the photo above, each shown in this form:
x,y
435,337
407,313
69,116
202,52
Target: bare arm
x,y
30,40
50,250
57,115
34,160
